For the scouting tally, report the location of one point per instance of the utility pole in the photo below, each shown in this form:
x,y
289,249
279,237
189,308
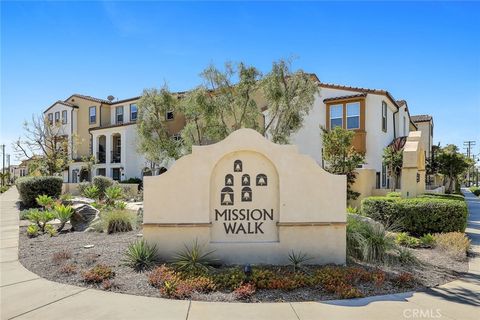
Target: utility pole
x,y
3,167
468,145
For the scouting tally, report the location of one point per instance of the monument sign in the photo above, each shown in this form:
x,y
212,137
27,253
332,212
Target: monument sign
x,y
250,200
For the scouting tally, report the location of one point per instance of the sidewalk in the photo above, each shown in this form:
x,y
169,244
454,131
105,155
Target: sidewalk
x,y
24,295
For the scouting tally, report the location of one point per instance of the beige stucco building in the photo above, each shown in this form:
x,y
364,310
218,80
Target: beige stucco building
x,y
106,130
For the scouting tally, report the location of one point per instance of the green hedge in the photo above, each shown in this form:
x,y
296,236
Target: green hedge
x,y
32,187
418,216
459,197
475,190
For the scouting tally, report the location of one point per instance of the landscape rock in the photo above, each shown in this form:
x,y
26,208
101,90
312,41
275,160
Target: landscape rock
x,y
83,216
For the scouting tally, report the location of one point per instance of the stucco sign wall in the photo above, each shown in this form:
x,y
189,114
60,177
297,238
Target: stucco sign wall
x,y
250,200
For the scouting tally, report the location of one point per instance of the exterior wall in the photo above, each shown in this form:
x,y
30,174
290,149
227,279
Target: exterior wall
x,y
309,141
66,129
364,184
427,139
131,161
83,123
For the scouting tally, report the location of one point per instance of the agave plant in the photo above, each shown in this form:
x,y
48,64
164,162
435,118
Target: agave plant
x,y
91,192
62,213
113,194
297,259
193,259
140,255
45,201
40,218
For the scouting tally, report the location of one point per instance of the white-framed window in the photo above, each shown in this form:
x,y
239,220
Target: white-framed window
x,y
64,116
336,116
119,115
92,115
133,112
384,116
57,117
50,118
384,175
353,115
169,116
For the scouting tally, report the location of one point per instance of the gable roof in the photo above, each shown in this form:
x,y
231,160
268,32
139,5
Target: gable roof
x,y
88,98
422,118
352,96
65,103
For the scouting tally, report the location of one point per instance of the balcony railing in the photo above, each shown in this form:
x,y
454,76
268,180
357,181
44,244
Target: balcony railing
x,y
115,157
101,157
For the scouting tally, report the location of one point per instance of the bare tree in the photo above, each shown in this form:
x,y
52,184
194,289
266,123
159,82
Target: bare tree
x,y
45,144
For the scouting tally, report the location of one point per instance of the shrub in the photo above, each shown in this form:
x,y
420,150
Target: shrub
x,y
406,257
32,230
427,241
118,221
454,243
394,194
405,240
66,198
418,216
98,274
112,194
368,241
61,256
245,291
475,191
458,197
91,192
82,186
140,255
62,213
193,259
30,188
404,279
229,279
134,181
40,218
102,183
120,205
52,232
184,288
352,210
68,268
45,201
297,259
160,275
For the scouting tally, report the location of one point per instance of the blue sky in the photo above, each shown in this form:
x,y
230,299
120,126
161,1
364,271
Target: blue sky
x,y
427,52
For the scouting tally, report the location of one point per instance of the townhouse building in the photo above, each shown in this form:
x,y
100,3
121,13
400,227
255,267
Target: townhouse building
x,y
106,130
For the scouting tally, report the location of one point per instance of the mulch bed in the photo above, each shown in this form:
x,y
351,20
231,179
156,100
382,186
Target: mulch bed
x,y
36,254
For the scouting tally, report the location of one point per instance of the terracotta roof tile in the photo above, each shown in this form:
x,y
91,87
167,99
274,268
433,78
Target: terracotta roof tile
x,y
421,118
360,95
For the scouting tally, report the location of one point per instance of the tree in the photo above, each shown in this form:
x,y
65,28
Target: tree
x,y
155,138
219,106
290,96
45,144
451,164
341,157
393,160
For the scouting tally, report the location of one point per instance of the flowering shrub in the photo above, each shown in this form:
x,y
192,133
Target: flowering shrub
x,y
98,274
244,291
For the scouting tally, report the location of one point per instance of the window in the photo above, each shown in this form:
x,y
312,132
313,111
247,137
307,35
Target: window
x,y
50,118
64,116
384,116
92,112
353,115
336,116
384,175
57,117
169,116
133,112
119,115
